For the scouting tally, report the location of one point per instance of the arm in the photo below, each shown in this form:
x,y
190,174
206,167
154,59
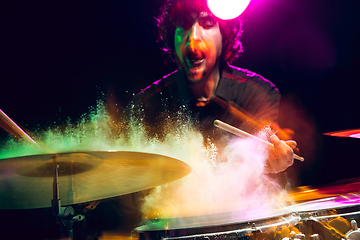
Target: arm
x,y
282,155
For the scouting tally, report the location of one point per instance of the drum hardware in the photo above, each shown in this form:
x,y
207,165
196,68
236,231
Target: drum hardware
x,y
295,236
323,229
315,237
325,218
332,218
65,216
313,227
354,233
253,226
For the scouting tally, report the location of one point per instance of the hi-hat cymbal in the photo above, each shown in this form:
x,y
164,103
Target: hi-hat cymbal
x,y
27,182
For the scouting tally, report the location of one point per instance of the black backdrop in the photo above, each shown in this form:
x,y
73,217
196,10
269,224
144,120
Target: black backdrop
x,y
57,58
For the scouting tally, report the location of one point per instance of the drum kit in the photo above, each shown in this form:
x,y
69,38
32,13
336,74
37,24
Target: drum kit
x,y
62,180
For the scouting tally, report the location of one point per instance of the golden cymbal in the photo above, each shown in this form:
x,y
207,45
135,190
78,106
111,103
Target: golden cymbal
x,y
27,182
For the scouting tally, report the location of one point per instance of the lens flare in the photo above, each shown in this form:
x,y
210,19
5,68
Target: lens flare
x,y
227,9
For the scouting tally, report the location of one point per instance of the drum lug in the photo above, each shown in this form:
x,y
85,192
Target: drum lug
x,y
253,226
315,237
295,236
354,225
354,233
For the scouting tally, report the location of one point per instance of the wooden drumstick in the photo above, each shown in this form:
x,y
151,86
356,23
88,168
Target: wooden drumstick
x,y
11,127
241,133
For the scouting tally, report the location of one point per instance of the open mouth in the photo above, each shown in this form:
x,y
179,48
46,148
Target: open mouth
x,y
195,62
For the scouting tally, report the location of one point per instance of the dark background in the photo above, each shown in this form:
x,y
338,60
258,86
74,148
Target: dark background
x,y
58,58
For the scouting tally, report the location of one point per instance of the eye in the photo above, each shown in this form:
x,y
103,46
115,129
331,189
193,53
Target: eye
x,y
208,22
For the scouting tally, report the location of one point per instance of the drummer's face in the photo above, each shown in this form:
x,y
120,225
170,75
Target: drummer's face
x,y
198,45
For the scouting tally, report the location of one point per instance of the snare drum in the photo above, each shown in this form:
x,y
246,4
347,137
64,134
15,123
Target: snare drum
x,y
231,225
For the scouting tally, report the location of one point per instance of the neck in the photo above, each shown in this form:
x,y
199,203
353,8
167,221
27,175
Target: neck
x,y
204,90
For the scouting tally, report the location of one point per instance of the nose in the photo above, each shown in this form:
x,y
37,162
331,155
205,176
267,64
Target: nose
x,y
194,36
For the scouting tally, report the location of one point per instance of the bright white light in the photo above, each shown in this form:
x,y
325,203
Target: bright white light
x,y
227,9
357,135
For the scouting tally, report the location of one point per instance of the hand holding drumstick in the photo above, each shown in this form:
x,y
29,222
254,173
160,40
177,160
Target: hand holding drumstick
x,y
283,156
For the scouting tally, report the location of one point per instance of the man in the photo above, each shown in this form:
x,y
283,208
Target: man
x,y
203,47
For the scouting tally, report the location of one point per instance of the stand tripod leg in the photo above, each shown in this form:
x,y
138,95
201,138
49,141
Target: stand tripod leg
x,y
65,216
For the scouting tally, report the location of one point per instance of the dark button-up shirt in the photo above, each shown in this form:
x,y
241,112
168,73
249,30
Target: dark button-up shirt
x,y
245,90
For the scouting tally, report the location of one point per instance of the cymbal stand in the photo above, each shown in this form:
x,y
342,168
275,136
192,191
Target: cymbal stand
x,y
65,216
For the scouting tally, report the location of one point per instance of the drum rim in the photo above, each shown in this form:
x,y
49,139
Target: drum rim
x,y
234,227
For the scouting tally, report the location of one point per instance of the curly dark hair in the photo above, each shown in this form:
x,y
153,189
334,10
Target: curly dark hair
x,y
173,11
